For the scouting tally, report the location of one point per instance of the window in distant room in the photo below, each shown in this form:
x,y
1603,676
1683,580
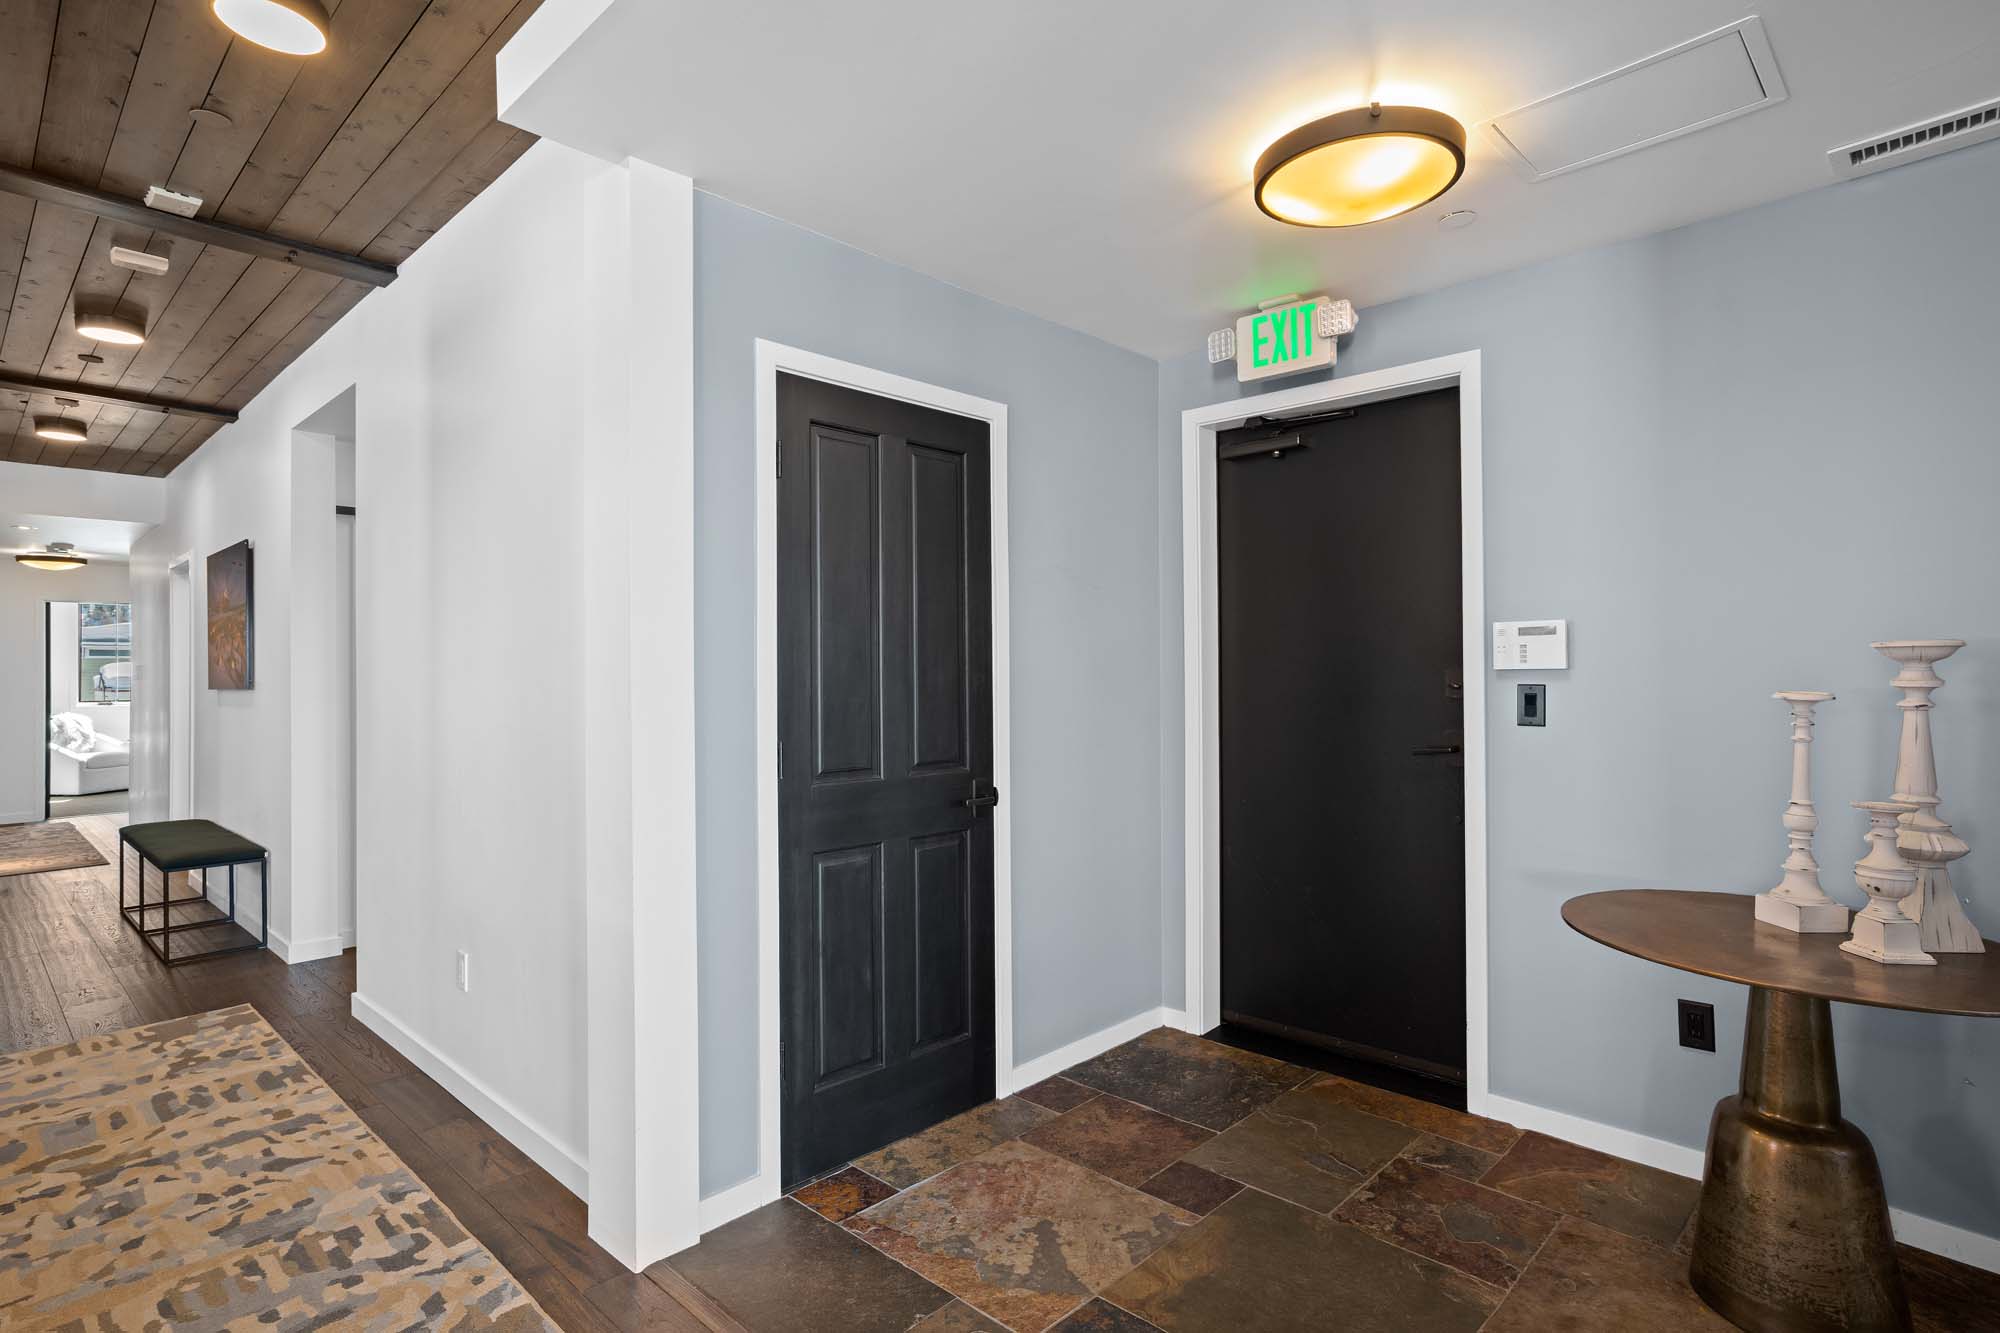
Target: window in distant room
x,y
104,652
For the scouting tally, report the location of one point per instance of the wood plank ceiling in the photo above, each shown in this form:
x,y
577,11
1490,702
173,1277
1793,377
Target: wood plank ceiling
x,y
367,148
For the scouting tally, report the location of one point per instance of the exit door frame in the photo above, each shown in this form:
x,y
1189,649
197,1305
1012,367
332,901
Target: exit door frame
x,y
1200,664
773,358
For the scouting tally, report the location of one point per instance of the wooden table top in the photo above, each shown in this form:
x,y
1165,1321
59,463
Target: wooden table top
x,y
1718,935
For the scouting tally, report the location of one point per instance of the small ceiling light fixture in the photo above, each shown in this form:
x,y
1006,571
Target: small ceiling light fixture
x,y
294,27
1358,166
60,429
55,556
110,328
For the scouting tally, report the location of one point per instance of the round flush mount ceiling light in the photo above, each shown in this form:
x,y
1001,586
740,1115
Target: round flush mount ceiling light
x,y
1358,166
295,27
60,429
56,556
110,328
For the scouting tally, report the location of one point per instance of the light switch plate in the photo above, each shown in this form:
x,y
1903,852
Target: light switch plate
x,y
1531,705
1530,645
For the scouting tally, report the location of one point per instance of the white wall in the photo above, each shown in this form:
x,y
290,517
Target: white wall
x,y
469,378
24,728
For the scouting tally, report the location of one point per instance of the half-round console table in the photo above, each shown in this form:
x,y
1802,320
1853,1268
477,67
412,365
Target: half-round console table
x,y
1792,1233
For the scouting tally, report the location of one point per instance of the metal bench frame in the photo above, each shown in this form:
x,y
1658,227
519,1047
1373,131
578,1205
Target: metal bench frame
x,y
159,938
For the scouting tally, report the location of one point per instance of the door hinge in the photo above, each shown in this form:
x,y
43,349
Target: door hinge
x,y
781,761
780,451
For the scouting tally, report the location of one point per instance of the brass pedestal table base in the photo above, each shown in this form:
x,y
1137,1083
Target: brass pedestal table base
x,y
1793,1229
1792,1234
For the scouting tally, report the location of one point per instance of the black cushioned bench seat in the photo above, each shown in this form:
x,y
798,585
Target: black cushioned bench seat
x,y
172,845
190,844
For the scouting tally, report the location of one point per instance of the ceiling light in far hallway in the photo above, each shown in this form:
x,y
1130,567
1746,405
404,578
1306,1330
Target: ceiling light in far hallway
x,y
1360,166
295,27
57,556
105,327
60,429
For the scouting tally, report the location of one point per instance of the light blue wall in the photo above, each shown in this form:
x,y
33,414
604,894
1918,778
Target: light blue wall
x,y
1082,418
1732,455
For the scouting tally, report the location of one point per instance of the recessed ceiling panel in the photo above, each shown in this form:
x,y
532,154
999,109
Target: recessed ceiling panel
x,y
1711,79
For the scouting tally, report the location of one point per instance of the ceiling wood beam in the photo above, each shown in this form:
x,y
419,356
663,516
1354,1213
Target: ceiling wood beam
x,y
244,240
87,393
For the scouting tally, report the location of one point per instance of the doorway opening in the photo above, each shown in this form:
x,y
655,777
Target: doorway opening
x,y
324,890
1341,687
87,674
1329,418
928,449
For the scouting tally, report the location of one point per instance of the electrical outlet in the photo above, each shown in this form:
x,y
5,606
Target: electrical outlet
x,y
1697,1025
464,970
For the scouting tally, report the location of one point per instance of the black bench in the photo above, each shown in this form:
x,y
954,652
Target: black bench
x,y
191,844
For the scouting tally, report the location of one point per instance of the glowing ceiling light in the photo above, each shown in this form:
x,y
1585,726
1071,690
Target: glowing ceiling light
x,y
57,556
295,27
109,328
1360,166
60,429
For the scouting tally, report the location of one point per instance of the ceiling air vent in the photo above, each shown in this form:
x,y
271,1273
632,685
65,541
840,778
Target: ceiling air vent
x,y
1975,124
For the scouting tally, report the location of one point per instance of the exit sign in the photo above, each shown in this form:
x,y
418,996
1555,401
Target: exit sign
x,y
1282,341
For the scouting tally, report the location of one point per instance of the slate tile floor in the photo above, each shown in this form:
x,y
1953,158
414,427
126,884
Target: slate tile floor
x,y
1183,1185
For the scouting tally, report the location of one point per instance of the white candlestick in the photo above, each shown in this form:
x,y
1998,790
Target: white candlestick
x,y
1925,840
1881,930
1799,903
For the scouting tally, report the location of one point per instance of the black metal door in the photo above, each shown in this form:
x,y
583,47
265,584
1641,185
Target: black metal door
x,y
1343,838
885,718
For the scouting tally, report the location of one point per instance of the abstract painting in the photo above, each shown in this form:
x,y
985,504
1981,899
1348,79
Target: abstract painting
x,y
231,632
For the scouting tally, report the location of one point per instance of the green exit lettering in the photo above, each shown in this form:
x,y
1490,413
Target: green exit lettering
x,y
1278,336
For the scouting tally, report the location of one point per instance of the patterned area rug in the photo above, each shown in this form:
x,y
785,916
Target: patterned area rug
x,y
32,849
198,1174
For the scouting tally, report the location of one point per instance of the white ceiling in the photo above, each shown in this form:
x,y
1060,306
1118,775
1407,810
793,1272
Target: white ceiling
x,y
1089,162
99,538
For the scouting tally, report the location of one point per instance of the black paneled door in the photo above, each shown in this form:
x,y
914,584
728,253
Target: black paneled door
x,y
885,722
1343,830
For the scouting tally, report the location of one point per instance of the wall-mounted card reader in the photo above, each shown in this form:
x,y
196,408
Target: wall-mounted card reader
x,y
1530,645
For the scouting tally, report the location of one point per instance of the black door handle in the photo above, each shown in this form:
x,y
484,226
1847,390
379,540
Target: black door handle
x,y
973,803
1436,749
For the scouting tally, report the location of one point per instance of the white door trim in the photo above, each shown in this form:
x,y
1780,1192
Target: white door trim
x,y
771,359
1202,797
180,683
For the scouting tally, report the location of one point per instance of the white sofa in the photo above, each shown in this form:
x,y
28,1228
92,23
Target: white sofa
x,y
83,759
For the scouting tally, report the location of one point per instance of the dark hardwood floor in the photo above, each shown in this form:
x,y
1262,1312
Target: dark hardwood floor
x,y
69,966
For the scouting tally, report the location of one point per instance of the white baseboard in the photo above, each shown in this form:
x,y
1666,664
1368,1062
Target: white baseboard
x,y
1968,1247
307,951
1088,1047
20,817
548,1152
733,1201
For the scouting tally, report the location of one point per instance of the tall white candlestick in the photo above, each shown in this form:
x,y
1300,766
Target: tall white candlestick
x,y
1799,903
1925,840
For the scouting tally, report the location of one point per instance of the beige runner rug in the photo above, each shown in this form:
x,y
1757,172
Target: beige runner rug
x,y
198,1174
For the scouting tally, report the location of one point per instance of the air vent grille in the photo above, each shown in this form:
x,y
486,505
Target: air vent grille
x,y
1913,143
